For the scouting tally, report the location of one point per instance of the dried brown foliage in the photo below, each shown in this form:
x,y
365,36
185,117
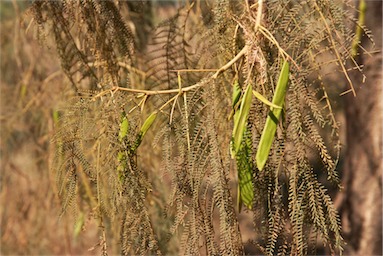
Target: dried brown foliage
x,y
185,70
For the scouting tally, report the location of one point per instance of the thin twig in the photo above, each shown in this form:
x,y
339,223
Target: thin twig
x,y
168,102
172,110
187,122
231,62
178,90
194,70
272,39
259,14
336,51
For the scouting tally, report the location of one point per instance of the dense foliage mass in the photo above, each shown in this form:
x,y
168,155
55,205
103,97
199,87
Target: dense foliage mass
x,y
183,90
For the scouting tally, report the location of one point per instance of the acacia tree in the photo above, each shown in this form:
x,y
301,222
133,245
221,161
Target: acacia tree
x,y
236,97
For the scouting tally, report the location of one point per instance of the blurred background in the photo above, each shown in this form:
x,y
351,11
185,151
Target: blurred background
x,y
33,87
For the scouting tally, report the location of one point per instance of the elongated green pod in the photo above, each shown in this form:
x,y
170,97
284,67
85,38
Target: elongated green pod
x,y
242,151
144,128
272,120
124,127
240,123
122,162
56,116
236,93
236,96
148,122
232,147
79,224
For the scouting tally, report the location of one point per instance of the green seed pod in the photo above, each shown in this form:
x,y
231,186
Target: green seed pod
x,y
124,127
236,93
273,117
120,156
240,123
56,117
148,122
236,96
122,162
79,224
144,128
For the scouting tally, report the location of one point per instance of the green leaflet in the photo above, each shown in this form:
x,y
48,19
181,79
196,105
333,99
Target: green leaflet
x,y
79,224
236,96
240,123
236,93
56,116
124,127
23,91
144,128
148,122
242,151
122,162
272,120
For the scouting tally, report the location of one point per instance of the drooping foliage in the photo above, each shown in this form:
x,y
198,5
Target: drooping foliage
x,y
185,72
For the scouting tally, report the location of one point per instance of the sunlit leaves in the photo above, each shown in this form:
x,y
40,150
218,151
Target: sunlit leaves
x,y
240,123
272,120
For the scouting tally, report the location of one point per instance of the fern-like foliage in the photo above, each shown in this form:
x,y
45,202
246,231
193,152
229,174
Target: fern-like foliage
x,y
185,73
